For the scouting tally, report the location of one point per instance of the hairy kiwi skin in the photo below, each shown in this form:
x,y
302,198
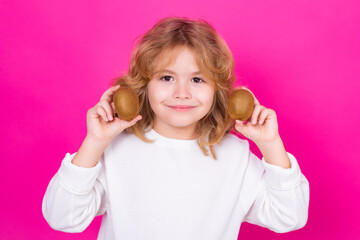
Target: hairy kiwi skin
x,y
241,105
126,103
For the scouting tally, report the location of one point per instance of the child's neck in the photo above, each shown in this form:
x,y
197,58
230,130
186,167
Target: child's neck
x,y
182,133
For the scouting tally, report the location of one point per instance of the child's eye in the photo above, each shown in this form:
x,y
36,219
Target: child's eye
x,y
166,78
197,80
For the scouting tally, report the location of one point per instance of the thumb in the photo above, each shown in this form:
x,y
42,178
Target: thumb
x,y
239,123
240,126
123,124
119,125
133,121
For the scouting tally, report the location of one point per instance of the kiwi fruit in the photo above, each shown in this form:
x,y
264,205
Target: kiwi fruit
x,y
126,103
241,105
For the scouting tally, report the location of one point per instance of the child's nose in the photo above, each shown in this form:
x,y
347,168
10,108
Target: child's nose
x,y
182,91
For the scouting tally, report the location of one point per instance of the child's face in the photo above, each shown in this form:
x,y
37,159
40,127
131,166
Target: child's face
x,y
180,98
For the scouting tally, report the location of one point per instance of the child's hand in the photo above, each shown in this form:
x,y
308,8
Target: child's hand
x,y
263,127
100,120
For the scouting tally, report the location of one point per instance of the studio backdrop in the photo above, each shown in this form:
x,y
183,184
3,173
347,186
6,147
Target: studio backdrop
x,y
300,58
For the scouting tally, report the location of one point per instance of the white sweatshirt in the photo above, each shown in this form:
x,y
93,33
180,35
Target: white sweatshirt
x,y
169,190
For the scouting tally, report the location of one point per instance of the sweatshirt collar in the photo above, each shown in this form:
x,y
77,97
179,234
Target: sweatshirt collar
x,y
170,142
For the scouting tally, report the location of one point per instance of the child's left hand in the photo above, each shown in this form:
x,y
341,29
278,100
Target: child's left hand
x,y
263,127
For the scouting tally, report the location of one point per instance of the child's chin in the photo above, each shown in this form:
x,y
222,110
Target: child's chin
x,y
183,124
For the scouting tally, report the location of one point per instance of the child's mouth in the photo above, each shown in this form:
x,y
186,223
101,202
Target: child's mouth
x,y
182,108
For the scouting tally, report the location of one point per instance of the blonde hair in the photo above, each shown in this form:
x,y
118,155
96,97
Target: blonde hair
x,y
213,58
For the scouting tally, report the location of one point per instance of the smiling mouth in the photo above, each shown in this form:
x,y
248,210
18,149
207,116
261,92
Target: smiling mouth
x,y
182,108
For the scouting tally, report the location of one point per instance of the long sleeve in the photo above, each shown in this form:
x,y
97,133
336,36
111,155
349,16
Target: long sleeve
x,y
74,196
280,197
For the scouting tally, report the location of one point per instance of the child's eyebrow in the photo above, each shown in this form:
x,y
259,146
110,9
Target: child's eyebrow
x,y
174,73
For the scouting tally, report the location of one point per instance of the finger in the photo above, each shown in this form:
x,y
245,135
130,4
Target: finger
x,y
263,115
100,110
256,112
255,99
113,107
108,93
105,104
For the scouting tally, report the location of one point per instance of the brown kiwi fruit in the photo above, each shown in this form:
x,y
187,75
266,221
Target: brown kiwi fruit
x,y
241,105
126,103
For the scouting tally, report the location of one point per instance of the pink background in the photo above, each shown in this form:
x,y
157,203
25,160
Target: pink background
x,y
300,58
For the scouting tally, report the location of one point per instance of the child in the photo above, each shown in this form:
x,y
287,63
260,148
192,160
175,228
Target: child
x,y
177,172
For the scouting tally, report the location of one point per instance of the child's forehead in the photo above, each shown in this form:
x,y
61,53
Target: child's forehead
x,y
168,57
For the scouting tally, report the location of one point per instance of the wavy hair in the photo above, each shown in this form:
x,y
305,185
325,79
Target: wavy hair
x,y
213,58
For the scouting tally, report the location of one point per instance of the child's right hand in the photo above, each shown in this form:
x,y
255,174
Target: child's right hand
x,y
100,121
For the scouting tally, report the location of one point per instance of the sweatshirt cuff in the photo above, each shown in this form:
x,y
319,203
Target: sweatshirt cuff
x,y
280,178
76,179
